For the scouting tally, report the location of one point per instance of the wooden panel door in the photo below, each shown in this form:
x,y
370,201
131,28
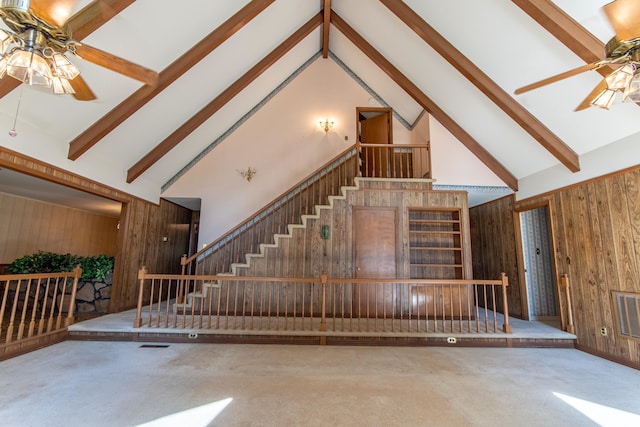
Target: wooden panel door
x,y
374,240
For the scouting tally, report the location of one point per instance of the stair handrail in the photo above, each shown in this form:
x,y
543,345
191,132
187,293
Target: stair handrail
x,y
351,150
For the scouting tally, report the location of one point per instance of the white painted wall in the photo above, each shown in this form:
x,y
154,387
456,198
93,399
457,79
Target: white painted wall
x,y
282,141
622,154
465,169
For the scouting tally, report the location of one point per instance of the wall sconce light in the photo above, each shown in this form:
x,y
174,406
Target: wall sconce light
x,y
248,174
326,125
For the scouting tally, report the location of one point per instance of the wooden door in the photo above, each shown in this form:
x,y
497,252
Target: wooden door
x,y
376,130
374,237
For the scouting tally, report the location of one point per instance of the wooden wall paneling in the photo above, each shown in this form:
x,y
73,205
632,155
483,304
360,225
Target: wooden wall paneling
x,y
632,192
595,225
627,263
625,248
607,271
522,288
493,246
30,225
578,269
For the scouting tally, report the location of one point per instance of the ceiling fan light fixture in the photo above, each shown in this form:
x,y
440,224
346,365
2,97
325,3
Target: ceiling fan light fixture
x,y
64,68
632,91
61,86
604,99
620,78
29,67
3,67
5,40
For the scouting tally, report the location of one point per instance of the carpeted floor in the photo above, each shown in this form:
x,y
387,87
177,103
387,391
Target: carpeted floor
x,y
80,383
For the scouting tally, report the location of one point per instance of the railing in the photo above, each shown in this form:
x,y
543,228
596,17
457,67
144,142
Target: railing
x,y
275,217
394,160
36,304
320,305
367,160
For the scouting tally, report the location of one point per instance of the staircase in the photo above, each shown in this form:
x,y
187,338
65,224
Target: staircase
x,y
284,239
254,264
233,252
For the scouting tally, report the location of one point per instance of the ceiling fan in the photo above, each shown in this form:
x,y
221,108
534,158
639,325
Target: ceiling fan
x,y
622,52
35,47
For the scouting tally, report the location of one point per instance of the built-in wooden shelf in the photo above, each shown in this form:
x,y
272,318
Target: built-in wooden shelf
x,y
435,244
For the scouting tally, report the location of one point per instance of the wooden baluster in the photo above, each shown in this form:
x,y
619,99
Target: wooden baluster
x,y
451,305
153,287
460,317
477,306
495,309
24,311
34,309
4,303
77,273
12,317
53,306
168,305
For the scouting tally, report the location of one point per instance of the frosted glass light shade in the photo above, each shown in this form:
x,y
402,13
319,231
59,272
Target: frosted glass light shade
x,y
63,67
604,99
30,68
61,86
632,91
620,78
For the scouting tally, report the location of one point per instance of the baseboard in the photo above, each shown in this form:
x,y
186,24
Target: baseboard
x,y
27,345
603,355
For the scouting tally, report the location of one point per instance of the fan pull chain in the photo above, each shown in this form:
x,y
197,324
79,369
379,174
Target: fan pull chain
x,y
13,132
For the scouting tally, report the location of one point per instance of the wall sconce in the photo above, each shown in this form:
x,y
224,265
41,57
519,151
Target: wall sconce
x,y
326,125
248,174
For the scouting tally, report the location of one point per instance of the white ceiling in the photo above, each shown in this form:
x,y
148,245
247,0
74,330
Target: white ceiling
x,y
504,42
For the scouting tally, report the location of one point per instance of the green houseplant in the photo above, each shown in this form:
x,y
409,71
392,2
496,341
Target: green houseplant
x,y
93,267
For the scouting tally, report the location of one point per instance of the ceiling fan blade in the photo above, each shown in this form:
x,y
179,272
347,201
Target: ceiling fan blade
x,y
592,95
115,63
54,12
83,92
561,76
624,16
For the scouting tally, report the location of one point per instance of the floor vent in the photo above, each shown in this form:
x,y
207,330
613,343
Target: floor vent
x,y
628,310
154,346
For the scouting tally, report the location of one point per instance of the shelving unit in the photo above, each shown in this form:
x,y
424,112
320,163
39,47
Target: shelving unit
x,y
436,244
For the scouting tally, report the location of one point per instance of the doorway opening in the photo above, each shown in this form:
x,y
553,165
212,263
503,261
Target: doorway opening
x,y
374,127
538,272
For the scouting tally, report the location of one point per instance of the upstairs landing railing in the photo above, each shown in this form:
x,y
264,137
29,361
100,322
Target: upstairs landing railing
x,y
365,160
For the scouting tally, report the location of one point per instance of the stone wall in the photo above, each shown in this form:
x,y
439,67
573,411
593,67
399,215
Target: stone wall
x,y
93,296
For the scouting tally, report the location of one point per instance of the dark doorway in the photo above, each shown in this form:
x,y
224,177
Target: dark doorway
x,y
374,127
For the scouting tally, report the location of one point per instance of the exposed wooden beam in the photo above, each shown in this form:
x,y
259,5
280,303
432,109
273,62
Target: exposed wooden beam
x,y
92,16
573,35
326,23
502,99
221,100
83,23
424,101
138,99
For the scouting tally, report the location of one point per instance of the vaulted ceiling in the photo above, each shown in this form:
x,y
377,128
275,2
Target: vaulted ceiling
x,y
460,60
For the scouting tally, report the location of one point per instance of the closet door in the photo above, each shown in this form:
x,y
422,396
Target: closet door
x,y
374,239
